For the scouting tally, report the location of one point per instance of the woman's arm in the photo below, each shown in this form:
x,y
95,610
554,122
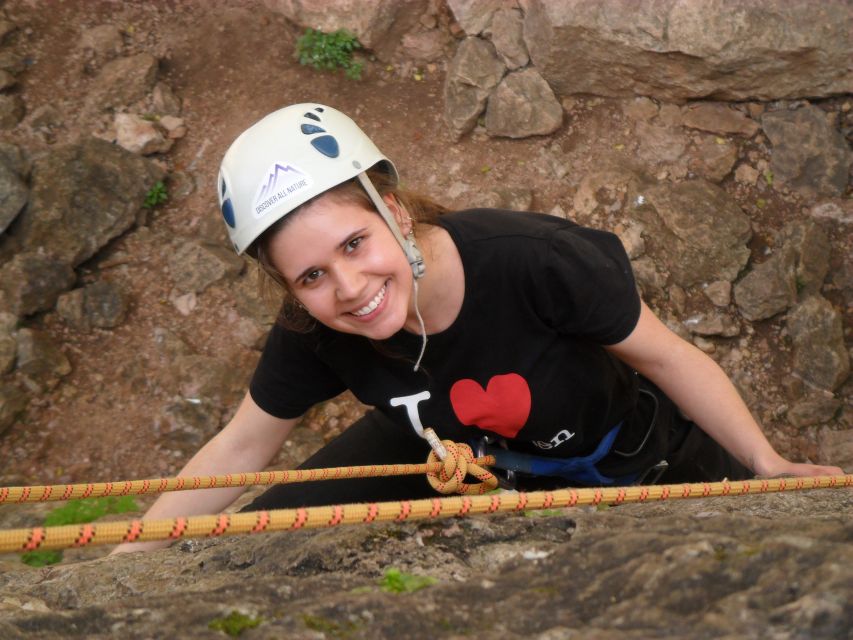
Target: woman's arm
x,y
247,443
704,392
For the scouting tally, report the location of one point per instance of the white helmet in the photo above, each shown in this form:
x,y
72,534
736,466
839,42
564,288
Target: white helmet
x,y
291,156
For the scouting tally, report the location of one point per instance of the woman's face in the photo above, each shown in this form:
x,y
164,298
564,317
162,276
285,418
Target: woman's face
x,y
342,263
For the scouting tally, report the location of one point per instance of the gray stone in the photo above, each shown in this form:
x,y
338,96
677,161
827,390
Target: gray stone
x,y
820,356
123,81
836,446
471,76
679,50
194,266
696,231
100,304
506,33
199,377
718,118
40,358
379,25
640,109
523,105
164,100
719,293
839,210
138,135
7,80
82,196
13,403
658,144
475,15
606,191
185,425
425,46
808,154
12,110
712,324
798,268
712,158
32,282
815,410
13,191
649,278
103,42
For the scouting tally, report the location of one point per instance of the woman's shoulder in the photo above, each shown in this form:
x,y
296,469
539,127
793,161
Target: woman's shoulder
x,y
486,224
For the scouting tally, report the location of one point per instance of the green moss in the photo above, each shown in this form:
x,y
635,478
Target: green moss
x,y
234,624
329,627
396,581
329,51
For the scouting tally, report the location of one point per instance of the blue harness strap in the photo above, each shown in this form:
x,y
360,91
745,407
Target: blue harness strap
x,y
580,469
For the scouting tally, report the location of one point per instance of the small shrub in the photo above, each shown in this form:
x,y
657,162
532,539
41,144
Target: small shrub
x,y
329,51
396,581
156,195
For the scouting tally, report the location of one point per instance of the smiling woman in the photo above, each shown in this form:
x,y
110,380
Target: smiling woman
x,y
539,350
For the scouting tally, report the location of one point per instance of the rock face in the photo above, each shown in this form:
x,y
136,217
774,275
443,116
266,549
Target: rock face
x,y
808,154
379,25
677,50
472,75
523,105
696,231
635,571
82,196
13,189
820,356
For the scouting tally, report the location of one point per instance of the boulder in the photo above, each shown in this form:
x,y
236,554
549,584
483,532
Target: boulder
x,y
814,410
32,281
164,101
82,196
40,358
123,81
471,76
138,135
679,50
797,268
379,24
194,266
13,188
475,15
808,154
12,110
523,105
186,424
719,118
506,31
100,304
695,230
712,158
820,356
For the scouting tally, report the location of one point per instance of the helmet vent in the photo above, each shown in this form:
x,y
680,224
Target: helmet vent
x,y
312,116
326,145
308,129
228,213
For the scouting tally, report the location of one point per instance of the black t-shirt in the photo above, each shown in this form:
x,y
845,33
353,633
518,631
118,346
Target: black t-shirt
x,y
523,359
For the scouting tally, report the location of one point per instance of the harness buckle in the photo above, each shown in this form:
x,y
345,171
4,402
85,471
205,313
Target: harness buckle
x,y
506,477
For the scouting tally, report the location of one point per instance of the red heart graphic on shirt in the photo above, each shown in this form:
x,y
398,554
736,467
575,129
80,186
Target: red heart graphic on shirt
x,y
503,407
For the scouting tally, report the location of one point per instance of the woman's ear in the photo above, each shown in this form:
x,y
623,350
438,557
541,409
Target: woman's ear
x,y
404,220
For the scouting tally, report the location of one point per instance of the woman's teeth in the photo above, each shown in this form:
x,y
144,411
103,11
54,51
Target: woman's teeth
x,y
372,305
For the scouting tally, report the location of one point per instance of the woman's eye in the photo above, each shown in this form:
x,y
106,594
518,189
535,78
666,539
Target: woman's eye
x,y
354,243
312,277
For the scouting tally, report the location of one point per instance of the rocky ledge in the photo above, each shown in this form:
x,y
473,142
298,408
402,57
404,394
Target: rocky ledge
x,y
771,566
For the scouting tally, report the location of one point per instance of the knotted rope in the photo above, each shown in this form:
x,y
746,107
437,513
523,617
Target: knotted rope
x,y
68,536
458,462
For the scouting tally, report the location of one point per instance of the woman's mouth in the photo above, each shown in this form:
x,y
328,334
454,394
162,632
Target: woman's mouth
x,y
371,306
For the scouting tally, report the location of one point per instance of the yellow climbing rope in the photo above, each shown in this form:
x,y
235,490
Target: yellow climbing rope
x,y
69,536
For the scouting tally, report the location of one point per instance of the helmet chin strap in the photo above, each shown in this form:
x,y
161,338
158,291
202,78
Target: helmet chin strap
x,y
413,254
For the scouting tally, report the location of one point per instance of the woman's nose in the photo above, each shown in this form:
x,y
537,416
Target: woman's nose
x,y
350,282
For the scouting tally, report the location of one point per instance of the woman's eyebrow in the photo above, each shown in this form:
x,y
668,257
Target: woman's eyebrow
x,y
341,245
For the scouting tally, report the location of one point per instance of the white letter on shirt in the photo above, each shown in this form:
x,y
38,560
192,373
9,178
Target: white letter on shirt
x,y
411,403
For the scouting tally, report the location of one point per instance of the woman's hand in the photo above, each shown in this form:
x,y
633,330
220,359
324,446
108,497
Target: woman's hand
x,y
784,468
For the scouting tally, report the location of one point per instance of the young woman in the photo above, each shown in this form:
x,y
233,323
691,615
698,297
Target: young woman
x,y
517,331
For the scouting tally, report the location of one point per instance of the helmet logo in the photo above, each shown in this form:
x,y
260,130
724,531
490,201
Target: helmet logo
x,y
282,182
327,145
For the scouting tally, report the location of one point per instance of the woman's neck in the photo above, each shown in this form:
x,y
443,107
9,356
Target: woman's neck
x,y
441,290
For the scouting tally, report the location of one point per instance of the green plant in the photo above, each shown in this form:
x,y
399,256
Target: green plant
x,y
77,512
156,195
329,627
329,51
234,624
396,581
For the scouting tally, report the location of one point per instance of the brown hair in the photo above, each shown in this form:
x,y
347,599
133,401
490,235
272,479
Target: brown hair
x,y
422,210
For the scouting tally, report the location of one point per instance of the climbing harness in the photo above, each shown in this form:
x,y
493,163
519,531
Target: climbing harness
x,y
447,467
